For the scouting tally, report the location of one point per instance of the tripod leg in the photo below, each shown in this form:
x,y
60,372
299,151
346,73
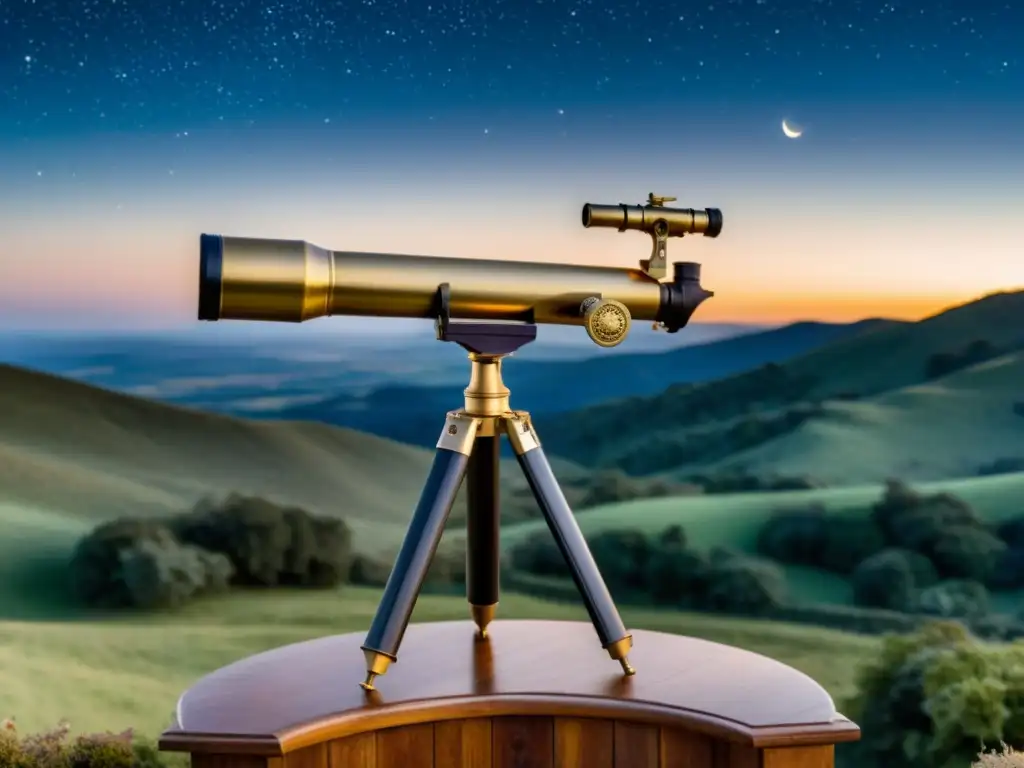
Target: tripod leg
x,y
421,539
567,534
482,524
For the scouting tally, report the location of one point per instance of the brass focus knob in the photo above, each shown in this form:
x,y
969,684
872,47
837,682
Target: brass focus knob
x,y
606,320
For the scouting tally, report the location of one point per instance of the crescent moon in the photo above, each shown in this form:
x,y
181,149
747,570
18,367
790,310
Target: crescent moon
x,y
792,133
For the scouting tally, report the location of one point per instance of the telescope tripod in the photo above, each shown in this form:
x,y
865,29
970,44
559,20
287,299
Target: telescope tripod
x,y
469,449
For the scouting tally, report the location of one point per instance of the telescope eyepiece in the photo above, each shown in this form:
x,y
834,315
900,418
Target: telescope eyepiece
x,y
211,276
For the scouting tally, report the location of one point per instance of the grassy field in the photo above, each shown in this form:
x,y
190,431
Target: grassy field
x,y
128,673
734,520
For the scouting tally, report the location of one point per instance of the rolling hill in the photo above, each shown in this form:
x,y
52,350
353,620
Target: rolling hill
x,y
857,410
72,455
414,414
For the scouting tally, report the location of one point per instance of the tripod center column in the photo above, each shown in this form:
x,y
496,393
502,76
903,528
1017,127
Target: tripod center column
x,y
486,394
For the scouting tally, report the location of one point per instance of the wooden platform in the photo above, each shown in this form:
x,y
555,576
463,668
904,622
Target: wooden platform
x,y
537,694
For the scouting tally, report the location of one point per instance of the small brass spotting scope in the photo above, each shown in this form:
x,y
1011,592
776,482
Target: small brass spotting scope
x,y
295,281
658,221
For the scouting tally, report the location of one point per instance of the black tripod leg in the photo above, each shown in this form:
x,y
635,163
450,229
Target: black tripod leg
x,y
421,540
482,526
567,534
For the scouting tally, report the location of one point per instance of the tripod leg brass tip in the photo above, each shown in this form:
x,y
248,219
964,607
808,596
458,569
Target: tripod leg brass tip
x,y
377,663
618,651
483,615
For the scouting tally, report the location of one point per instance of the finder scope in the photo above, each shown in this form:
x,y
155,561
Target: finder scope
x,y
295,281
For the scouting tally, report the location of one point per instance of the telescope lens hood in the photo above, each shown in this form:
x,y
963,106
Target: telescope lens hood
x,y
211,276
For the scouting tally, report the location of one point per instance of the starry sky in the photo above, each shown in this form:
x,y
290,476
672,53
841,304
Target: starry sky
x,y
478,129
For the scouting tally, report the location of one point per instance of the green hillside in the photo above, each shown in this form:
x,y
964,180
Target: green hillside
x,y
895,355
942,429
72,455
857,410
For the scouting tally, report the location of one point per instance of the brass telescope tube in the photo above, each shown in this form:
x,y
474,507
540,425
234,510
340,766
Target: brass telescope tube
x,y
295,281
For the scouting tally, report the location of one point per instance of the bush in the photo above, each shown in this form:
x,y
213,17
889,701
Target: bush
x,y
538,554
158,563
965,552
52,749
270,545
865,621
794,536
954,599
168,574
737,481
678,577
935,698
913,521
890,579
622,558
139,563
743,585
609,486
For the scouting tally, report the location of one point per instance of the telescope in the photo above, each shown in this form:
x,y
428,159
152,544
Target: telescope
x,y
491,309
296,281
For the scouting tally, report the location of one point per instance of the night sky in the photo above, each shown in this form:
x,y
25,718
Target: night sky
x,y
129,127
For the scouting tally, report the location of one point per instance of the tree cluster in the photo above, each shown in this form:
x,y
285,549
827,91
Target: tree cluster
x,y
245,541
937,697
666,570
918,553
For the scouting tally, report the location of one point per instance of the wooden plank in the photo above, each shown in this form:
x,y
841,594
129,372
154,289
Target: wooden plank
x,y
636,745
359,751
523,742
462,743
728,754
314,756
684,749
800,757
583,742
410,746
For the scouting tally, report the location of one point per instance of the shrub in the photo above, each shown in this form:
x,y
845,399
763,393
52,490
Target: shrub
x,y
52,749
912,521
609,486
167,574
953,599
270,545
848,542
622,558
794,536
965,552
744,585
538,554
679,577
866,621
890,579
935,698
138,563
